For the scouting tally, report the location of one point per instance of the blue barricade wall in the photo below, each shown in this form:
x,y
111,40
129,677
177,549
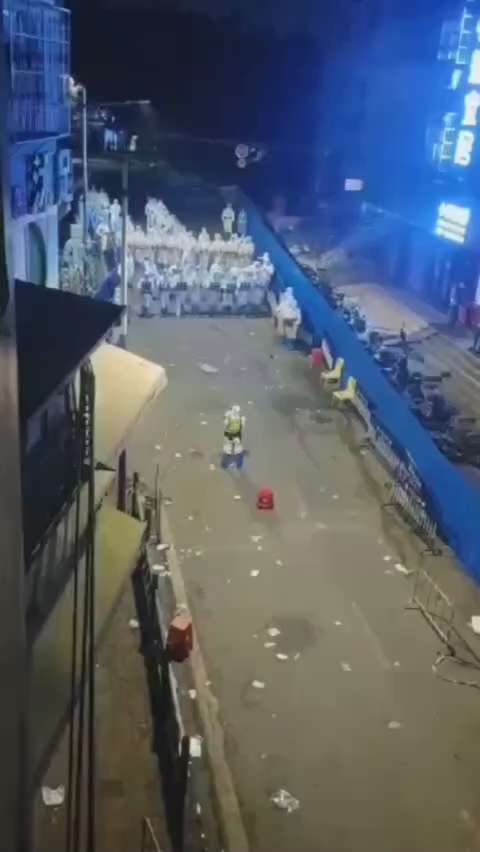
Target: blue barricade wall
x,y
454,503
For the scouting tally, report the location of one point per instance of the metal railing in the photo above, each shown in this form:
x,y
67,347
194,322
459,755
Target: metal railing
x,y
414,510
149,839
435,607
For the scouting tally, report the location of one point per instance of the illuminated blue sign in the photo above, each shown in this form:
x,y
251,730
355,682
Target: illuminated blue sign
x,y
453,222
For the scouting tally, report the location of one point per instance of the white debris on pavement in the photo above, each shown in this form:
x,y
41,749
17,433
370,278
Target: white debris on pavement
x,y
195,746
335,497
190,518
207,368
346,667
250,402
212,467
133,624
256,539
255,573
53,797
192,693
475,623
396,665
284,800
204,423
260,548
237,497
282,657
279,563
403,570
270,645
338,624
394,726
158,448
198,553
258,684
163,547
273,632
387,558
178,455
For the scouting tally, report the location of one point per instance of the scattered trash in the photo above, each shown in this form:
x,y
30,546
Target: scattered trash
x,y
229,581
208,683
260,548
387,558
255,635
163,572
274,632
204,423
167,501
475,623
279,563
297,657
335,497
270,645
263,756
256,538
192,693
258,684
198,809
394,726
402,570
255,573
198,553
178,455
396,665
163,547
134,624
190,517
195,746
158,448
53,797
284,800
338,624
237,497
207,368
250,402
282,657
346,667
212,467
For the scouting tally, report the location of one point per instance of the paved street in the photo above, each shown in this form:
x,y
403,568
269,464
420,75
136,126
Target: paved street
x,y
382,755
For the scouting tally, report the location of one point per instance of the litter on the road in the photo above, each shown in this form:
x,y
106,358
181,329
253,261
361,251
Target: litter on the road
x,y
198,553
284,800
255,573
195,746
402,570
258,684
158,448
273,632
134,624
212,467
190,517
338,624
256,538
250,402
279,563
163,547
178,455
387,558
346,667
192,693
209,369
396,665
237,497
229,580
335,497
198,809
282,657
475,623
394,726
164,572
167,501
53,797
260,548
270,645
297,657
204,423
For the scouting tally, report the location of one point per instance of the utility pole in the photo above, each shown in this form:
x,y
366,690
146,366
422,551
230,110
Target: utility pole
x,y
15,792
124,280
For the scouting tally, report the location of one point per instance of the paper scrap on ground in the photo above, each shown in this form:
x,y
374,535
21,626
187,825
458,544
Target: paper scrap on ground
x,y
279,563
204,423
258,684
178,455
212,467
167,501
396,665
402,570
273,632
190,517
260,548
207,368
255,573
284,800
346,667
475,623
158,448
387,558
250,402
282,657
297,657
192,693
270,645
163,547
394,726
198,553
336,497
195,746
133,624
53,797
338,624
256,538
237,497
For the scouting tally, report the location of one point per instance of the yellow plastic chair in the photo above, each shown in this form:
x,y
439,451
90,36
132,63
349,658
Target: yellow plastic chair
x,y
347,395
333,377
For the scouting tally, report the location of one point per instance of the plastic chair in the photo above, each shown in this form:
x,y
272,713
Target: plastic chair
x,y
334,376
347,395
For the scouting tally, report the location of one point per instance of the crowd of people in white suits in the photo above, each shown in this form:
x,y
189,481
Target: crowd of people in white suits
x,y
185,273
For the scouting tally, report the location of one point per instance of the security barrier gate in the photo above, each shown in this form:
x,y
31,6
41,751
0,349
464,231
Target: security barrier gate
x,y
435,606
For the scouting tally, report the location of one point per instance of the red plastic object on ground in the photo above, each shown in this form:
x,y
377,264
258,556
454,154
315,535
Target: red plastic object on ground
x,y
265,500
180,638
317,358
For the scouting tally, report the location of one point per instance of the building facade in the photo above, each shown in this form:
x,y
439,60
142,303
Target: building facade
x,y
37,36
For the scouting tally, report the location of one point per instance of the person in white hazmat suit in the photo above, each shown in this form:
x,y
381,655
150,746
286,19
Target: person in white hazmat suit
x,y
228,220
234,424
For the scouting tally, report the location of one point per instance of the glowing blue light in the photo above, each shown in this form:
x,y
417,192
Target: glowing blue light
x,y
472,104
453,222
474,76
